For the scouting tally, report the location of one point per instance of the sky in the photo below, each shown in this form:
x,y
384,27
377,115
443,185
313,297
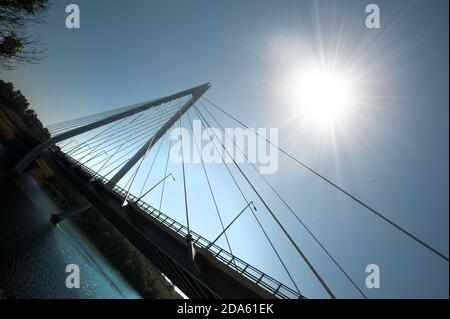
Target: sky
x,y
392,152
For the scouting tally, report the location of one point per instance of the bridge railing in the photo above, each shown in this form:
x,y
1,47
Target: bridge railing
x,y
253,274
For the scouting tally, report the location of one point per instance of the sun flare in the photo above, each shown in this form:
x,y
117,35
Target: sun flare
x,y
322,97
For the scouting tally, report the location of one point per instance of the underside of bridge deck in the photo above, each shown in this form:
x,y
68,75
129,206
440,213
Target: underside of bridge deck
x,y
203,277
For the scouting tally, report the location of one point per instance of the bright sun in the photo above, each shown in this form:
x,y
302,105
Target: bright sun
x,y
323,97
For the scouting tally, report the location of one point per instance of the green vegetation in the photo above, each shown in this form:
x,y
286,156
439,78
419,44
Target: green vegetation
x,y
17,122
16,44
140,273
20,128
14,100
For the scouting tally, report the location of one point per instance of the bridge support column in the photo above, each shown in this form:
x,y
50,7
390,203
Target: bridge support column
x,y
70,213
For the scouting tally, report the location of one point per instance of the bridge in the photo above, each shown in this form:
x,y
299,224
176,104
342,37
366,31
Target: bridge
x,y
110,157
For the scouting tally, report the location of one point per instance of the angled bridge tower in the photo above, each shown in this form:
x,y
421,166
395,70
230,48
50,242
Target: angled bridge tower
x,y
122,138
195,93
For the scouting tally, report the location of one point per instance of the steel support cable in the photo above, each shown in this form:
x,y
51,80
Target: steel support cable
x,y
75,123
165,174
96,163
311,267
126,185
124,155
112,139
123,130
72,140
96,138
93,165
65,144
116,167
121,151
145,129
184,177
136,141
100,136
93,150
69,151
209,184
154,115
96,115
150,122
151,166
114,148
287,205
96,151
142,133
253,213
360,202
117,150
142,159
83,118
62,126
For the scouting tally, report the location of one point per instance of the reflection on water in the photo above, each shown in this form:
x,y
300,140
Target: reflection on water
x,y
34,253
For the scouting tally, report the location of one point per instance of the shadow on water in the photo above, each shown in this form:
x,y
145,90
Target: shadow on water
x,y
34,253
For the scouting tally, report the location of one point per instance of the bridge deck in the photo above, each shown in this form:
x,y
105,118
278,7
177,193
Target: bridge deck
x,y
217,261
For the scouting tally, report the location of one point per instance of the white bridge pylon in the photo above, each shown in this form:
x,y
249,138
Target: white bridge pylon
x,y
195,93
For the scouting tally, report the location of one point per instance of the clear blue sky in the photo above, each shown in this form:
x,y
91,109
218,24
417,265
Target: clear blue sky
x,y
394,153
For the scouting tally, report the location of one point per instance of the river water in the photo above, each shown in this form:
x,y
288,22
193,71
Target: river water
x,y
34,253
